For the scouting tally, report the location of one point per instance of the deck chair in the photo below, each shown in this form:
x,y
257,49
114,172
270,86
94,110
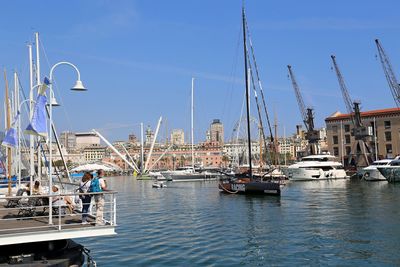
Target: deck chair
x,y
15,202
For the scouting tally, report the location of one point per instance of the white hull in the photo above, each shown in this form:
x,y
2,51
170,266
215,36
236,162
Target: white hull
x,y
309,175
371,175
316,167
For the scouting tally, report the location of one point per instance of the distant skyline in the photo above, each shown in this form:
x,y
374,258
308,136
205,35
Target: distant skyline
x,y
137,58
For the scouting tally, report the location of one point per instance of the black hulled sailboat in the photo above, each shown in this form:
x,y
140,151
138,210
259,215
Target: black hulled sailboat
x,y
247,183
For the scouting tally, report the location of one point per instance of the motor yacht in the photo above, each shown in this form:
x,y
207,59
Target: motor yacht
x,y
371,173
316,167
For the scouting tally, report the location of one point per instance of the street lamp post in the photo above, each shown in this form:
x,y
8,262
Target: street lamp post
x,y
77,87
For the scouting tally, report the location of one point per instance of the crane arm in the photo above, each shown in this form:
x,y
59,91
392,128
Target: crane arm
x,y
389,73
299,97
343,87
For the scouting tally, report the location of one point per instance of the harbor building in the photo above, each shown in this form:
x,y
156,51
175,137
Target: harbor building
x,y
86,139
217,132
178,137
68,140
385,127
94,153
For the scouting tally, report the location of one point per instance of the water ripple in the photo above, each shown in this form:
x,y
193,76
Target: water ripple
x,y
313,223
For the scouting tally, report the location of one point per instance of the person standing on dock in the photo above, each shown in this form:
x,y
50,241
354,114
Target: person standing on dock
x,y
86,199
98,185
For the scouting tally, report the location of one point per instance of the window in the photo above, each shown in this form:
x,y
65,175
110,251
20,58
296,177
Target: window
x,y
347,128
347,139
334,129
388,136
336,151
388,148
335,140
387,124
348,150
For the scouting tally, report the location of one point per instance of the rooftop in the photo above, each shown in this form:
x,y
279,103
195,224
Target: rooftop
x,y
371,113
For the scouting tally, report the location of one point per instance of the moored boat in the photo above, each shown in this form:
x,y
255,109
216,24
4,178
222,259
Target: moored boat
x,y
316,167
371,173
391,172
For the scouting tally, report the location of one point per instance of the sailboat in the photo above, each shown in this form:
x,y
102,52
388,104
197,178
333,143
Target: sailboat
x,y
247,183
189,173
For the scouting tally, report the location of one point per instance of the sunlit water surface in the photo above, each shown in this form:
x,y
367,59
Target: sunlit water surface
x,y
313,223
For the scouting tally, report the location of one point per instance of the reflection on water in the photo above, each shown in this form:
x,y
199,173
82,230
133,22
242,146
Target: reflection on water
x,y
339,222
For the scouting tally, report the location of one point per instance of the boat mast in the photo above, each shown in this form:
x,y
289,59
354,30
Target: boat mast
x,y
8,121
192,126
247,93
141,148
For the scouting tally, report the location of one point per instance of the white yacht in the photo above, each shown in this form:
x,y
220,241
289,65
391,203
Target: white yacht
x,y
316,167
371,173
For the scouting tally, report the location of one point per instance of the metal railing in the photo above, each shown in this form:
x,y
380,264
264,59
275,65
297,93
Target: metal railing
x,y
32,213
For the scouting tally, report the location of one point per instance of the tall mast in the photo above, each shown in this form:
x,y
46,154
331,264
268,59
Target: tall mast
x,y
247,93
39,156
141,148
192,111
31,138
8,120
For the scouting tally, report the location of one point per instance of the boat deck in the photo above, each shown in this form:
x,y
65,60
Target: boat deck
x,y
22,223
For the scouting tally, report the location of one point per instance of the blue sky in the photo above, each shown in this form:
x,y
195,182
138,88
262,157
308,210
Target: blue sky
x,y
137,58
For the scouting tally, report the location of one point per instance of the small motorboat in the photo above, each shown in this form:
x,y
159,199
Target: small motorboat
x,y
159,184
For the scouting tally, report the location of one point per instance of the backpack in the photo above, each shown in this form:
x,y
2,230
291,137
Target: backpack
x,y
95,186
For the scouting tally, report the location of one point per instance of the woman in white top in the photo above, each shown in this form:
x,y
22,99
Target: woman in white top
x,y
86,199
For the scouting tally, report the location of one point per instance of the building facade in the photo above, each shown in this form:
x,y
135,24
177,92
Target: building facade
x,y
384,142
178,137
86,139
217,132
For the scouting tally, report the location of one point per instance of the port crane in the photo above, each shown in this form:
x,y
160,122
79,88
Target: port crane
x,y
360,154
307,114
389,73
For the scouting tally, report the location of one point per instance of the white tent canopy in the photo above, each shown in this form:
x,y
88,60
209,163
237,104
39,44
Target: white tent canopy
x,y
94,167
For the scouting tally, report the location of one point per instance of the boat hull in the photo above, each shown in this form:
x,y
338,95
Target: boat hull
x,y
371,175
391,173
251,187
300,174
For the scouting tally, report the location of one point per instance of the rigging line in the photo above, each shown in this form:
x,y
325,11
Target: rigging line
x,y
229,93
259,83
258,108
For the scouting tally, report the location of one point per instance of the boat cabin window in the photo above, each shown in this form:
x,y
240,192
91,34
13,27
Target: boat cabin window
x,y
315,159
395,163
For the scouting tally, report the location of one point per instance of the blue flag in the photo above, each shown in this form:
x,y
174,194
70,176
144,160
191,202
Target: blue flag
x,y
38,125
11,138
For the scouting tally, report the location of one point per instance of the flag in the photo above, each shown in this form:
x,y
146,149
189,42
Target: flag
x,y
38,125
11,138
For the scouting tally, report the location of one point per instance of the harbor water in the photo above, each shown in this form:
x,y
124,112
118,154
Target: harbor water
x,y
313,223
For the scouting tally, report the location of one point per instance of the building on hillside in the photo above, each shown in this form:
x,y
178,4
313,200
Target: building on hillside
x,y
132,138
149,136
68,140
178,137
86,139
94,153
217,132
385,125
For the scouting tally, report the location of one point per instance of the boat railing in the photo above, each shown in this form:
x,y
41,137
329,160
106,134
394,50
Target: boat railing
x,y
52,212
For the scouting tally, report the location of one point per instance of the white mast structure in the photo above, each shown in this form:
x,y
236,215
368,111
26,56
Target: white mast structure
x,y
39,156
152,145
31,137
192,111
115,150
141,148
